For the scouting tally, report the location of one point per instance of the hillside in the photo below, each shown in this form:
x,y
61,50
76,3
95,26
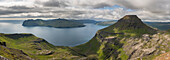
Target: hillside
x,y
129,38
28,46
57,23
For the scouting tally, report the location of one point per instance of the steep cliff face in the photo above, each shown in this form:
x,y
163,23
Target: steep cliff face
x,y
129,38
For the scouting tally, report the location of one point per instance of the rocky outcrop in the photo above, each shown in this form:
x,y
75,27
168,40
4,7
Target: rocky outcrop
x,y
45,52
3,58
138,48
3,43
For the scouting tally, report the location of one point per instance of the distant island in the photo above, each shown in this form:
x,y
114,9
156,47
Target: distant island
x,y
106,23
56,23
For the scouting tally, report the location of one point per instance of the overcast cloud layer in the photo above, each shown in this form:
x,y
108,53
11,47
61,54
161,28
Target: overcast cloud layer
x,y
148,10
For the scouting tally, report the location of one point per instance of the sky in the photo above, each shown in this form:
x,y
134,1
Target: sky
x,y
147,10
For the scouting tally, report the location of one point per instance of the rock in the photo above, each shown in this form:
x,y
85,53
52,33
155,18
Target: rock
x,y
3,58
3,43
149,51
45,52
147,45
146,37
163,52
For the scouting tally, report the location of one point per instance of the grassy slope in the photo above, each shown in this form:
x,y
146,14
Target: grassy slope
x,y
31,45
88,48
12,53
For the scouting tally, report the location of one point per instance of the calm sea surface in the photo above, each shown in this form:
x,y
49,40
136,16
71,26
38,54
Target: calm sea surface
x,y
55,36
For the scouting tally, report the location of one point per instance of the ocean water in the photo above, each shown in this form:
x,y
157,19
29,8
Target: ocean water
x,y
55,36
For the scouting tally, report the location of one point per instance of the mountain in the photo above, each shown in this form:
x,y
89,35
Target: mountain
x,y
127,39
57,23
130,24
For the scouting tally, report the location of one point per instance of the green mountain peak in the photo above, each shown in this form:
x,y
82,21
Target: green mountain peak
x,y
130,24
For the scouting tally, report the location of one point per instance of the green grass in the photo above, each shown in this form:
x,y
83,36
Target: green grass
x,y
28,45
123,56
88,48
100,52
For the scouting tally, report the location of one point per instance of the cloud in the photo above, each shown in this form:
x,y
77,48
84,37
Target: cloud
x,y
5,12
154,6
55,3
19,7
86,9
76,3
